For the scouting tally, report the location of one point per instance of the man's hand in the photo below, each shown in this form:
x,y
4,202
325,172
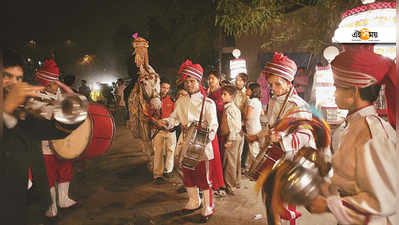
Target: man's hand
x,y
17,95
275,137
318,205
161,123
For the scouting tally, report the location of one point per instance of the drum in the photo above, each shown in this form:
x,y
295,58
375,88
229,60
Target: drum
x,y
92,138
266,158
195,141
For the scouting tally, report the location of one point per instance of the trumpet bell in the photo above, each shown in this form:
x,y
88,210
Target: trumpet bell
x,y
301,184
71,109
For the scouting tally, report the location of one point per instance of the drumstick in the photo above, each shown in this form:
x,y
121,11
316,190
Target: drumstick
x,y
284,104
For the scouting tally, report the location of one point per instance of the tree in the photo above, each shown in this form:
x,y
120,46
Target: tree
x,y
309,23
181,29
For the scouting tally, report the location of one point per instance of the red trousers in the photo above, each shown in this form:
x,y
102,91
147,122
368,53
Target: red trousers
x,y
199,177
58,170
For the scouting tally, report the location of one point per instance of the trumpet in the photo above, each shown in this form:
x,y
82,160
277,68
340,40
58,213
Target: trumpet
x,y
64,108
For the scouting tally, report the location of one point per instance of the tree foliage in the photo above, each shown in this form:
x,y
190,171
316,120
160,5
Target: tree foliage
x,y
309,24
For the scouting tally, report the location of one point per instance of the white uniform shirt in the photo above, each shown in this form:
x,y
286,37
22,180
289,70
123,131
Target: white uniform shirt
x,y
46,144
365,171
187,110
291,143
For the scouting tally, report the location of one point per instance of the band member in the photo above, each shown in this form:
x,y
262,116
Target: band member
x,y
187,110
164,141
58,171
230,129
20,145
364,187
280,72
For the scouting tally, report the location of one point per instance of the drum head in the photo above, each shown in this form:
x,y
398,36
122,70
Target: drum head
x,y
75,143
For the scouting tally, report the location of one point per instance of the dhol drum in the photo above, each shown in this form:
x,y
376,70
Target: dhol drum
x,y
195,141
268,157
92,138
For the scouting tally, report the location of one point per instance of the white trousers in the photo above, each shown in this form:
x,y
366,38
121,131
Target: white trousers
x,y
164,144
253,151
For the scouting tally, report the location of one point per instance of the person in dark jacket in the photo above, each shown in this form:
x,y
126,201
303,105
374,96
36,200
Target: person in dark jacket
x,y
20,147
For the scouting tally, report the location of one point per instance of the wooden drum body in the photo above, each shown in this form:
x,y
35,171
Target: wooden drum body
x,y
92,138
266,158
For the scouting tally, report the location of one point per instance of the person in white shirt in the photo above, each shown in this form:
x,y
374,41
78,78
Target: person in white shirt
x,y
252,119
365,187
58,171
280,72
188,110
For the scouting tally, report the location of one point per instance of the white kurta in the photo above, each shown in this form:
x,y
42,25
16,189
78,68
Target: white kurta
x,y
365,171
291,143
187,110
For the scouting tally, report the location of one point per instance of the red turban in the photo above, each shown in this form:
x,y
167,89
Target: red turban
x,y
363,68
191,70
48,73
281,66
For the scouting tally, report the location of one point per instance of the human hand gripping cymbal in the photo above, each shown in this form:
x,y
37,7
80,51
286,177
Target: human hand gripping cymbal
x,y
17,95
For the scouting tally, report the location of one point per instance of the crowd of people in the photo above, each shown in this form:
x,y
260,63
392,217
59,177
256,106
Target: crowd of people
x,y
238,123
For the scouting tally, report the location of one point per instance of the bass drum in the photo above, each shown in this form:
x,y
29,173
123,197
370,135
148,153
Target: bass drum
x,y
92,138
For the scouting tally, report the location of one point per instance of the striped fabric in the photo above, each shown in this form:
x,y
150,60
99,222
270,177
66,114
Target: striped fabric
x,y
281,66
347,78
192,72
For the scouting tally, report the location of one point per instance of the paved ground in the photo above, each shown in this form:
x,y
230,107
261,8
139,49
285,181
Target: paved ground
x,y
116,189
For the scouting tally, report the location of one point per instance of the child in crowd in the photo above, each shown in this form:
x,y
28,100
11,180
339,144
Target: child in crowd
x,y
230,129
252,117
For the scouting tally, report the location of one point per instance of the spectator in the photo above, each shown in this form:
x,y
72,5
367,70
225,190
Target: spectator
x,y
85,90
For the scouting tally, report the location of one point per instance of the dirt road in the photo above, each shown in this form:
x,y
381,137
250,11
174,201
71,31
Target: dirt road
x,y
116,189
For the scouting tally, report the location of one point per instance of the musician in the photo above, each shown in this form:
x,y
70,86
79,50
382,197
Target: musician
x,y
58,171
187,110
20,147
164,142
230,130
280,72
364,188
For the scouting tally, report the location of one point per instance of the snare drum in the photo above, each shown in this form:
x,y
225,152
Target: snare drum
x,y
90,139
266,158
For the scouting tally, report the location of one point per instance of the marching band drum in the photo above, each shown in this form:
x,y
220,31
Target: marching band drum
x,y
90,139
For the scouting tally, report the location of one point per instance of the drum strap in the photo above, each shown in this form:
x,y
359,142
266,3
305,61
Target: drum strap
x,y
202,109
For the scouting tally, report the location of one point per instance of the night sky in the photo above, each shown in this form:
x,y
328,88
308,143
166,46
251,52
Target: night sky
x,y
103,28
88,22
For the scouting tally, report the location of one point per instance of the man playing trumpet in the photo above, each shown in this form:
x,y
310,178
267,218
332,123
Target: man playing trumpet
x,y
20,145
